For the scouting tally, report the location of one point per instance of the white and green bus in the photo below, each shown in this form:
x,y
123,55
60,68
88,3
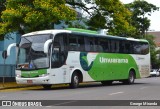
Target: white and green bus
x,y
73,56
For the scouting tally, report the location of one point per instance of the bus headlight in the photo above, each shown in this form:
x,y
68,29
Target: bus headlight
x,y
43,75
18,75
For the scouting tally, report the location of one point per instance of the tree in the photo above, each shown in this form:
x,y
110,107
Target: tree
x,y
140,9
2,8
106,14
118,18
154,60
32,15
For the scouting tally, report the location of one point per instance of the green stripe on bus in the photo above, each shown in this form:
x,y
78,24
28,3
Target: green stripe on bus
x,y
33,73
82,30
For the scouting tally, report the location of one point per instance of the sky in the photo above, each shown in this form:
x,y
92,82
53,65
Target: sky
x,y
155,16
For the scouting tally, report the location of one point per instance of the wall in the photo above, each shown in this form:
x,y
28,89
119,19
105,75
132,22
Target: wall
x,y
7,67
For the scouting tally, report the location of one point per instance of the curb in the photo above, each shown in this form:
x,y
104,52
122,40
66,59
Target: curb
x,y
13,85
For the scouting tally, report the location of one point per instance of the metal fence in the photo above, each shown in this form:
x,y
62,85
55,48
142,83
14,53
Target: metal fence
x,y
7,70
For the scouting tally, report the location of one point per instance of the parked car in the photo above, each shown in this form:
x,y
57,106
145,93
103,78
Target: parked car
x,y
154,73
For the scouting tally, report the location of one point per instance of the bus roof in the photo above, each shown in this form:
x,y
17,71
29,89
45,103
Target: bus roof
x,y
81,31
84,31
47,32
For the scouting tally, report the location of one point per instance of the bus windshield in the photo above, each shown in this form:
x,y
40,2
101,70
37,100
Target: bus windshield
x,y
31,54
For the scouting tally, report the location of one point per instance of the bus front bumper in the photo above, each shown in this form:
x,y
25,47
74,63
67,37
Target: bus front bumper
x,y
38,80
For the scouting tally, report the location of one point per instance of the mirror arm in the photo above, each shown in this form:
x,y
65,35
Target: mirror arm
x,y
10,47
46,45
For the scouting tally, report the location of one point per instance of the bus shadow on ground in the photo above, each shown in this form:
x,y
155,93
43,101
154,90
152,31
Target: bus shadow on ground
x,y
89,85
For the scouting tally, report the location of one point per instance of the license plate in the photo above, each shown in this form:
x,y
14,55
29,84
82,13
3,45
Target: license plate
x,y
29,81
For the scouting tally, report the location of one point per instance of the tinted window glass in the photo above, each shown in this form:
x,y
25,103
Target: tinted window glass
x,y
89,44
127,47
122,47
80,43
73,43
114,46
104,45
140,48
137,48
145,48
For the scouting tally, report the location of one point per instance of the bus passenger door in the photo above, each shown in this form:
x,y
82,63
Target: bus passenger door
x,y
58,57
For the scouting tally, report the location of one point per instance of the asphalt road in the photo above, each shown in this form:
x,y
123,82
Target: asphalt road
x,y
143,89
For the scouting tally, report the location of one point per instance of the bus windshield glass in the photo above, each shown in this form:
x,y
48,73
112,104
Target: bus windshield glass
x,y
31,54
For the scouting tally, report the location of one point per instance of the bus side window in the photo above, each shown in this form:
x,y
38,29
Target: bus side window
x,y
121,47
104,45
100,47
108,44
144,48
127,47
55,57
117,46
72,43
137,48
89,44
80,43
96,46
112,46
131,51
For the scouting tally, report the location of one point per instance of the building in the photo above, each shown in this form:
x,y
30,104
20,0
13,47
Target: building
x,y
157,37
7,66
156,34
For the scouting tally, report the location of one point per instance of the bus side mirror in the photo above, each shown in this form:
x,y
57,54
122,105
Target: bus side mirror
x,y
46,45
10,47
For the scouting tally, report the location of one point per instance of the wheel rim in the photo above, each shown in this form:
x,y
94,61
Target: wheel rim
x,y
131,78
76,80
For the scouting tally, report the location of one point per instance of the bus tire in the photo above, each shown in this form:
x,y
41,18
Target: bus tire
x,y
74,81
106,83
47,86
131,78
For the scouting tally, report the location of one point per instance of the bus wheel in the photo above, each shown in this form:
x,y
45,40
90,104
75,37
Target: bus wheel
x,y
131,78
105,83
74,81
47,86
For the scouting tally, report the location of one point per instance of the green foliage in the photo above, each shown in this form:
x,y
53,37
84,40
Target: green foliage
x,y
140,9
32,15
2,8
154,61
97,21
118,17
107,14
124,20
